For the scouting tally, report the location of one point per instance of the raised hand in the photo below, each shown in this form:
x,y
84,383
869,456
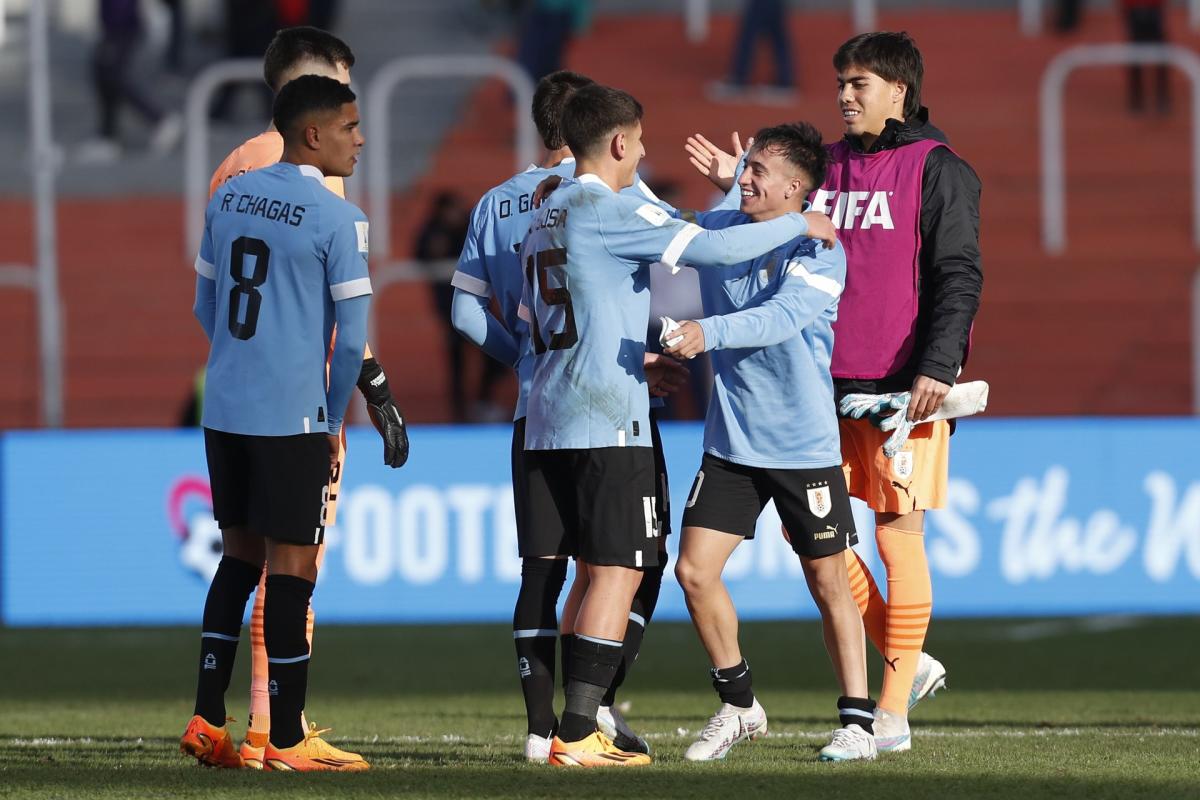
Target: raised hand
x,y
714,163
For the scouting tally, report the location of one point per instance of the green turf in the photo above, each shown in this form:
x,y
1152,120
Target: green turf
x,y
1051,708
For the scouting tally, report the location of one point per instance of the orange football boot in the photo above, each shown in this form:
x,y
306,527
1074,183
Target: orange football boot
x,y
209,744
312,754
596,750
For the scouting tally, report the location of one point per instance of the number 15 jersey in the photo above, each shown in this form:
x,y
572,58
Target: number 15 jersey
x,y
282,249
587,299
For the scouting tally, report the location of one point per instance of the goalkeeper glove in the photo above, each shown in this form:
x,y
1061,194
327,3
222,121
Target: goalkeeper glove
x,y
384,413
876,408
888,412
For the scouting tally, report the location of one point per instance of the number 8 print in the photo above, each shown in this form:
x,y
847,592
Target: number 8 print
x,y
247,285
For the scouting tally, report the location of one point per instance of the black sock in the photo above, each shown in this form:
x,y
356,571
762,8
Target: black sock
x,y
535,628
285,624
564,649
589,674
222,627
732,684
640,614
858,711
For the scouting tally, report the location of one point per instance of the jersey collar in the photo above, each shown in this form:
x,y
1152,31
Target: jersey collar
x,y
567,160
311,171
591,177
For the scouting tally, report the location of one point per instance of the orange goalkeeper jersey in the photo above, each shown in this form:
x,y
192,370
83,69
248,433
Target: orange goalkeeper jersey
x,y
261,151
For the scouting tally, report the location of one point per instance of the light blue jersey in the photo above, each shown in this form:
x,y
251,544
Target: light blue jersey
x,y
489,264
587,298
281,251
769,328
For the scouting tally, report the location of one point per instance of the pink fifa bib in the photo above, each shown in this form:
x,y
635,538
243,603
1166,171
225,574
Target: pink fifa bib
x,y
874,201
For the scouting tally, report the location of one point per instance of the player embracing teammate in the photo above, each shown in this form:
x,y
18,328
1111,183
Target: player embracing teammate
x,y
906,208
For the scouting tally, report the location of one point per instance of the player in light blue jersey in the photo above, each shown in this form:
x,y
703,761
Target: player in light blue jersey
x,y
490,267
282,261
586,297
772,434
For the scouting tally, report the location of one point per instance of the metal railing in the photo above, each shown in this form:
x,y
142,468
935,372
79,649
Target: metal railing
x,y
385,276
1054,233
197,168
696,14
43,279
377,153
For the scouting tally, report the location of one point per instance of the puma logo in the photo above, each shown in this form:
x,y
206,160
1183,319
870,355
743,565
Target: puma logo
x,y
892,662
901,486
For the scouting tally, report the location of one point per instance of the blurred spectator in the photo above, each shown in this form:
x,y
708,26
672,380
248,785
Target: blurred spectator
x,y
1067,17
176,37
249,28
760,19
438,244
1145,24
546,29
121,32
317,13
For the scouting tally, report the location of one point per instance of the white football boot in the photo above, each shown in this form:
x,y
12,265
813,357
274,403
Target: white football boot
x,y
891,732
537,749
930,677
850,743
726,728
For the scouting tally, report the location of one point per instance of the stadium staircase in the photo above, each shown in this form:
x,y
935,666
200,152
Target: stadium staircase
x,y
1103,329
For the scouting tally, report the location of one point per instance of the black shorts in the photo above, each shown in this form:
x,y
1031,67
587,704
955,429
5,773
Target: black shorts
x,y
530,490
598,504
276,486
813,504
662,490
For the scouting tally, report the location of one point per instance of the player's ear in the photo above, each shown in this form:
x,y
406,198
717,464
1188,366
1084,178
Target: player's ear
x,y
312,137
899,90
617,145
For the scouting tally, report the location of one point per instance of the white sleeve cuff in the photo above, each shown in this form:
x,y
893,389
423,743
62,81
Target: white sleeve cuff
x,y
471,284
348,289
206,269
675,249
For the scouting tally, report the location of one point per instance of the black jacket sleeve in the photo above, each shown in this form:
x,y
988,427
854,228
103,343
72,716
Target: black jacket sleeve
x,y
951,273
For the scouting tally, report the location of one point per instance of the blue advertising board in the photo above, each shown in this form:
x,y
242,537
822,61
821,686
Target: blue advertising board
x,y
1045,516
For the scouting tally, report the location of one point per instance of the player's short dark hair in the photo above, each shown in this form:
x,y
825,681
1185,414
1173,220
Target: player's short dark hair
x,y
891,56
549,99
799,143
593,113
303,43
301,97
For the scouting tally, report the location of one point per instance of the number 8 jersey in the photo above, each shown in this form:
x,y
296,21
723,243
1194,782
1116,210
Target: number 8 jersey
x,y
587,300
281,249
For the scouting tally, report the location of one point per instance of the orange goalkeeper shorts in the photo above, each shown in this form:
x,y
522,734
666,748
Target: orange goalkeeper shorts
x,y
914,480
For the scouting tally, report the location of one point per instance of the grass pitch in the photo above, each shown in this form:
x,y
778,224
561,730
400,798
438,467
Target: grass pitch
x,y
1095,708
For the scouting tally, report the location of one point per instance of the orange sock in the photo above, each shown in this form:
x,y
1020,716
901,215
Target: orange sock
x,y
909,605
260,701
866,594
